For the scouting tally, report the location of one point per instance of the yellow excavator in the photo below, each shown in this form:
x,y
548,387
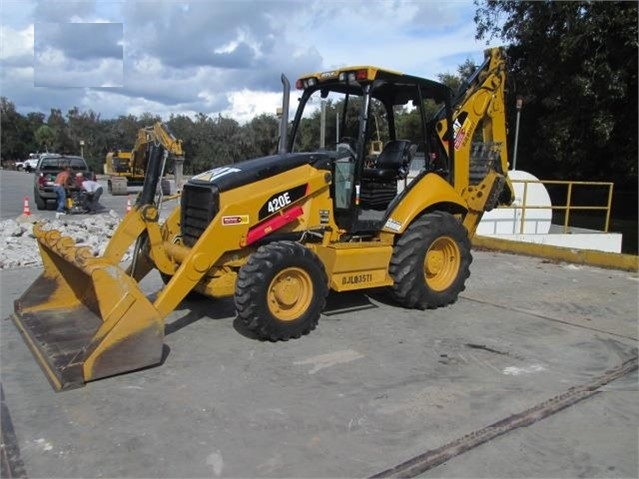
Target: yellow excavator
x,y
127,168
277,233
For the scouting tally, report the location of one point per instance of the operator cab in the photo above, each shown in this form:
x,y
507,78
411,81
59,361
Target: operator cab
x,y
373,155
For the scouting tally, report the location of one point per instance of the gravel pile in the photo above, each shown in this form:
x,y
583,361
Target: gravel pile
x,y
19,248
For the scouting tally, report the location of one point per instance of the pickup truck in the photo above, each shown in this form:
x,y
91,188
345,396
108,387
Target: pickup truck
x,y
47,169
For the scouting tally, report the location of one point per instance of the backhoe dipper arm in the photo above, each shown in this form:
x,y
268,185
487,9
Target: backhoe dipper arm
x,y
480,104
161,134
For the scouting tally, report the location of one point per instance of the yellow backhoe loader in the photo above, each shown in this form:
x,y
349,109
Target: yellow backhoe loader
x,y
276,233
127,168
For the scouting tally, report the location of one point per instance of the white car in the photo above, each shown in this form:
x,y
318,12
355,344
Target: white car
x,y
30,164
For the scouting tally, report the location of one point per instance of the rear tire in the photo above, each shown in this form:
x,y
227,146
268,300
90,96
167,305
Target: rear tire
x,y
431,262
281,291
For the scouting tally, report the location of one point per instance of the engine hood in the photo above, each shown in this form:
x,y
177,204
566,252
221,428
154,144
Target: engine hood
x,y
251,171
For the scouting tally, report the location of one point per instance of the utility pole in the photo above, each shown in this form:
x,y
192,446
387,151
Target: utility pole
x,y
519,104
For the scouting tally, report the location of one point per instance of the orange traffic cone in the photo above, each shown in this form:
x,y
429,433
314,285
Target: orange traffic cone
x,y
25,210
128,204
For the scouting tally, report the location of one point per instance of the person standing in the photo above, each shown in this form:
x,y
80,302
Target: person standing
x,y
62,181
93,191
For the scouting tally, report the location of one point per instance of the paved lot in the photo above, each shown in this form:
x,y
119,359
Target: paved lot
x,y
373,386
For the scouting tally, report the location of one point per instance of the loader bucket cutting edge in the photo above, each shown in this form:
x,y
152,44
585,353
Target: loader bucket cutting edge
x,y
83,318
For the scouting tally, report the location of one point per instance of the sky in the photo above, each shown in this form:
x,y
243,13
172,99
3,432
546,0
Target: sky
x,y
219,57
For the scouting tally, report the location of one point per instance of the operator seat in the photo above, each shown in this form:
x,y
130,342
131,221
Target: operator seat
x,y
392,163
379,183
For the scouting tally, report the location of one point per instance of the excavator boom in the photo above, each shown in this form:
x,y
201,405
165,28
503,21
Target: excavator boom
x,y
128,167
158,133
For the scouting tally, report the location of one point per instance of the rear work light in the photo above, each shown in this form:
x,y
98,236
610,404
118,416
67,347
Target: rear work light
x,y
352,77
302,84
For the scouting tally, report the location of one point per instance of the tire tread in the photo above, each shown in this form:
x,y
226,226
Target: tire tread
x,y
406,266
254,278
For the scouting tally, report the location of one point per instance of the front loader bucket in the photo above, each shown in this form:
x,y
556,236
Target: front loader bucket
x,y
84,318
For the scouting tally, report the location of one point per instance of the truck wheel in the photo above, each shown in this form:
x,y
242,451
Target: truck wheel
x,y
281,291
431,262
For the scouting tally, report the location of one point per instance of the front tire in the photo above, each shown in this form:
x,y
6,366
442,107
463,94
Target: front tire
x,y
431,262
281,291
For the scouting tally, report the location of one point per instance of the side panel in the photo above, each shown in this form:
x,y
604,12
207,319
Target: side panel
x,y
243,208
352,266
429,190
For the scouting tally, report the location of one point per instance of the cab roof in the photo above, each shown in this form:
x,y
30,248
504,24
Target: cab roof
x,y
388,85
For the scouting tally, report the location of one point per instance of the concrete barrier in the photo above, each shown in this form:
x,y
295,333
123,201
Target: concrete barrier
x,y
602,259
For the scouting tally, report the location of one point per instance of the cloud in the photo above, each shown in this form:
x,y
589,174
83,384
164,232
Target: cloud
x,y
16,45
81,41
247,104
236,35
190,56
78,55
53,70
60,11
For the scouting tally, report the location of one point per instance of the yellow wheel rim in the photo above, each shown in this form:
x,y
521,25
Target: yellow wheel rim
x,y
442,263
290,294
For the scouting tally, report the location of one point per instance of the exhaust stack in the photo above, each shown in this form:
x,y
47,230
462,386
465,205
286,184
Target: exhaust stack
x,y
283,147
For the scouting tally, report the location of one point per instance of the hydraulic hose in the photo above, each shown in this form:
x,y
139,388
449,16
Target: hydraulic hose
x,y
152,176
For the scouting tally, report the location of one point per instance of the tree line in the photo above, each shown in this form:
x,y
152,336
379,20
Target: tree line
x,y
207,142
573,65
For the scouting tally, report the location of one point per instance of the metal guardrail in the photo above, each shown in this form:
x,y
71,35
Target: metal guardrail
x,y
568,207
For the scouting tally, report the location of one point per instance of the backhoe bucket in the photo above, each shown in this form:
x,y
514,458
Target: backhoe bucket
x,y
84,318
